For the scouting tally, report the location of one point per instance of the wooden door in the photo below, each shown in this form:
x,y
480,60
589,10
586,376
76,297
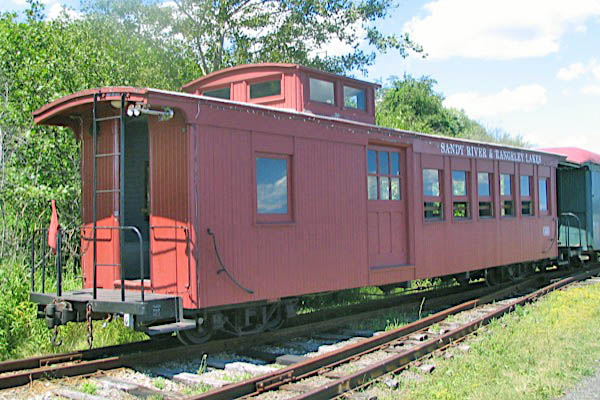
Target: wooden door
x,y
387,219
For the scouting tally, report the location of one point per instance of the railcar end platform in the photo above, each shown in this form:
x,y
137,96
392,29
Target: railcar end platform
x,y
72,307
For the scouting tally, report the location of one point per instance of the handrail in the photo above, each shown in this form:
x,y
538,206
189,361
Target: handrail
x,y
36,232
188,246
223,269
572,215
135,230
58,259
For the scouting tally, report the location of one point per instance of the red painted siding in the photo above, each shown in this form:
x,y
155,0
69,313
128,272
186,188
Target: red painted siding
x,y
170,269
324,248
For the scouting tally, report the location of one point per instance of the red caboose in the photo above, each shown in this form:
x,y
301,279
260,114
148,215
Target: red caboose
x,y
266,182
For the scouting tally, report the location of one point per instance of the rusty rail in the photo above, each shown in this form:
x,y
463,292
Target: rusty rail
x,y
19,372
328,361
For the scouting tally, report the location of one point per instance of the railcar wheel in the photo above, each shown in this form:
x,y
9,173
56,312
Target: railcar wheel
x,y
576,262
514,272
493,276
190,337
276,320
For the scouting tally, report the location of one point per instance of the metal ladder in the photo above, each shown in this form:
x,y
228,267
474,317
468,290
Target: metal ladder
x,y
120,190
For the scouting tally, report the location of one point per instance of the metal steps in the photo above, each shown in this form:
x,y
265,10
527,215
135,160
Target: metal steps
x,y
172,327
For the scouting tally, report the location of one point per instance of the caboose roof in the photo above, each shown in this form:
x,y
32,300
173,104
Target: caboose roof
x,y
241,69
60,112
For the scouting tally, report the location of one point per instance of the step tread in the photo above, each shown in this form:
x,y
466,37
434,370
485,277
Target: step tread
x,y
172,327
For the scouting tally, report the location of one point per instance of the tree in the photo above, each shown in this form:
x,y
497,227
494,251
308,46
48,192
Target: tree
x,y
223,33
39,62
413,104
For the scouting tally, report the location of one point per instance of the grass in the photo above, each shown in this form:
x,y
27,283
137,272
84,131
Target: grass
x,y
159,383
537,352
88,387
23,335
196,389
237,377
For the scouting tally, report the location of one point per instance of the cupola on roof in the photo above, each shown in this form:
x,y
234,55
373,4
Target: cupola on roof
x,y
291,86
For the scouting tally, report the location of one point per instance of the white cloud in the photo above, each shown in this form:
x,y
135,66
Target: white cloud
x,y
591,89
56,9
571,72
521,98
272,197
494,29
577,70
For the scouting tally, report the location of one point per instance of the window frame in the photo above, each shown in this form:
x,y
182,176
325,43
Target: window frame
x,y
433,199
486,199
262,79
364,90
510,197
378,175
310,99
273,218
528,198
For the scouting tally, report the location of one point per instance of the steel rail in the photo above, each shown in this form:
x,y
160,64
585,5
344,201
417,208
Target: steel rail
x,y
19,372
342,385
82,355
311,367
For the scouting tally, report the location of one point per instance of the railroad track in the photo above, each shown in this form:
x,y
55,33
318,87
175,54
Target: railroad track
x,y
393,344
20,372
326,377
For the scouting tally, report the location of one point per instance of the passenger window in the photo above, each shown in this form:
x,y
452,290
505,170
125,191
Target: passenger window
x,y
505,185
355,98
460,201
432,205
383,179
273,185
459,183
525,179
222,93
543,190
486,205
264,89
483,184
431,182
526,208
506,200
321,91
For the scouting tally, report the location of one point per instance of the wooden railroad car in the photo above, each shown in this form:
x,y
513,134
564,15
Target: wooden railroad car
x,y
222,204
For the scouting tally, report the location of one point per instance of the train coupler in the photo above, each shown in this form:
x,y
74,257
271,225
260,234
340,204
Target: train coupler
x,y
59,313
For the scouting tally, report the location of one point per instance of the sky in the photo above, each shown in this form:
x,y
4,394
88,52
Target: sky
x,y
528,67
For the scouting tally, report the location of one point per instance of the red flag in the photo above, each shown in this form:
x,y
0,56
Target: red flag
x,y
53,229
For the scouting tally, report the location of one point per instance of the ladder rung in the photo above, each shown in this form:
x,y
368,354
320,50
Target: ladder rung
x,y
108,191
108,265
107,155
108,118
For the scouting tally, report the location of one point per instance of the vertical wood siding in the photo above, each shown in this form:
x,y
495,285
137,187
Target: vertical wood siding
x,y
170,272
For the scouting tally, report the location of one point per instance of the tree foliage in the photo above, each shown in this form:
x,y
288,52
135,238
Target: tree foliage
x,y
223,33
413,104
39,62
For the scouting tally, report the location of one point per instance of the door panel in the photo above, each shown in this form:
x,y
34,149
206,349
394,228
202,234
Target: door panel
x,y
387,220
